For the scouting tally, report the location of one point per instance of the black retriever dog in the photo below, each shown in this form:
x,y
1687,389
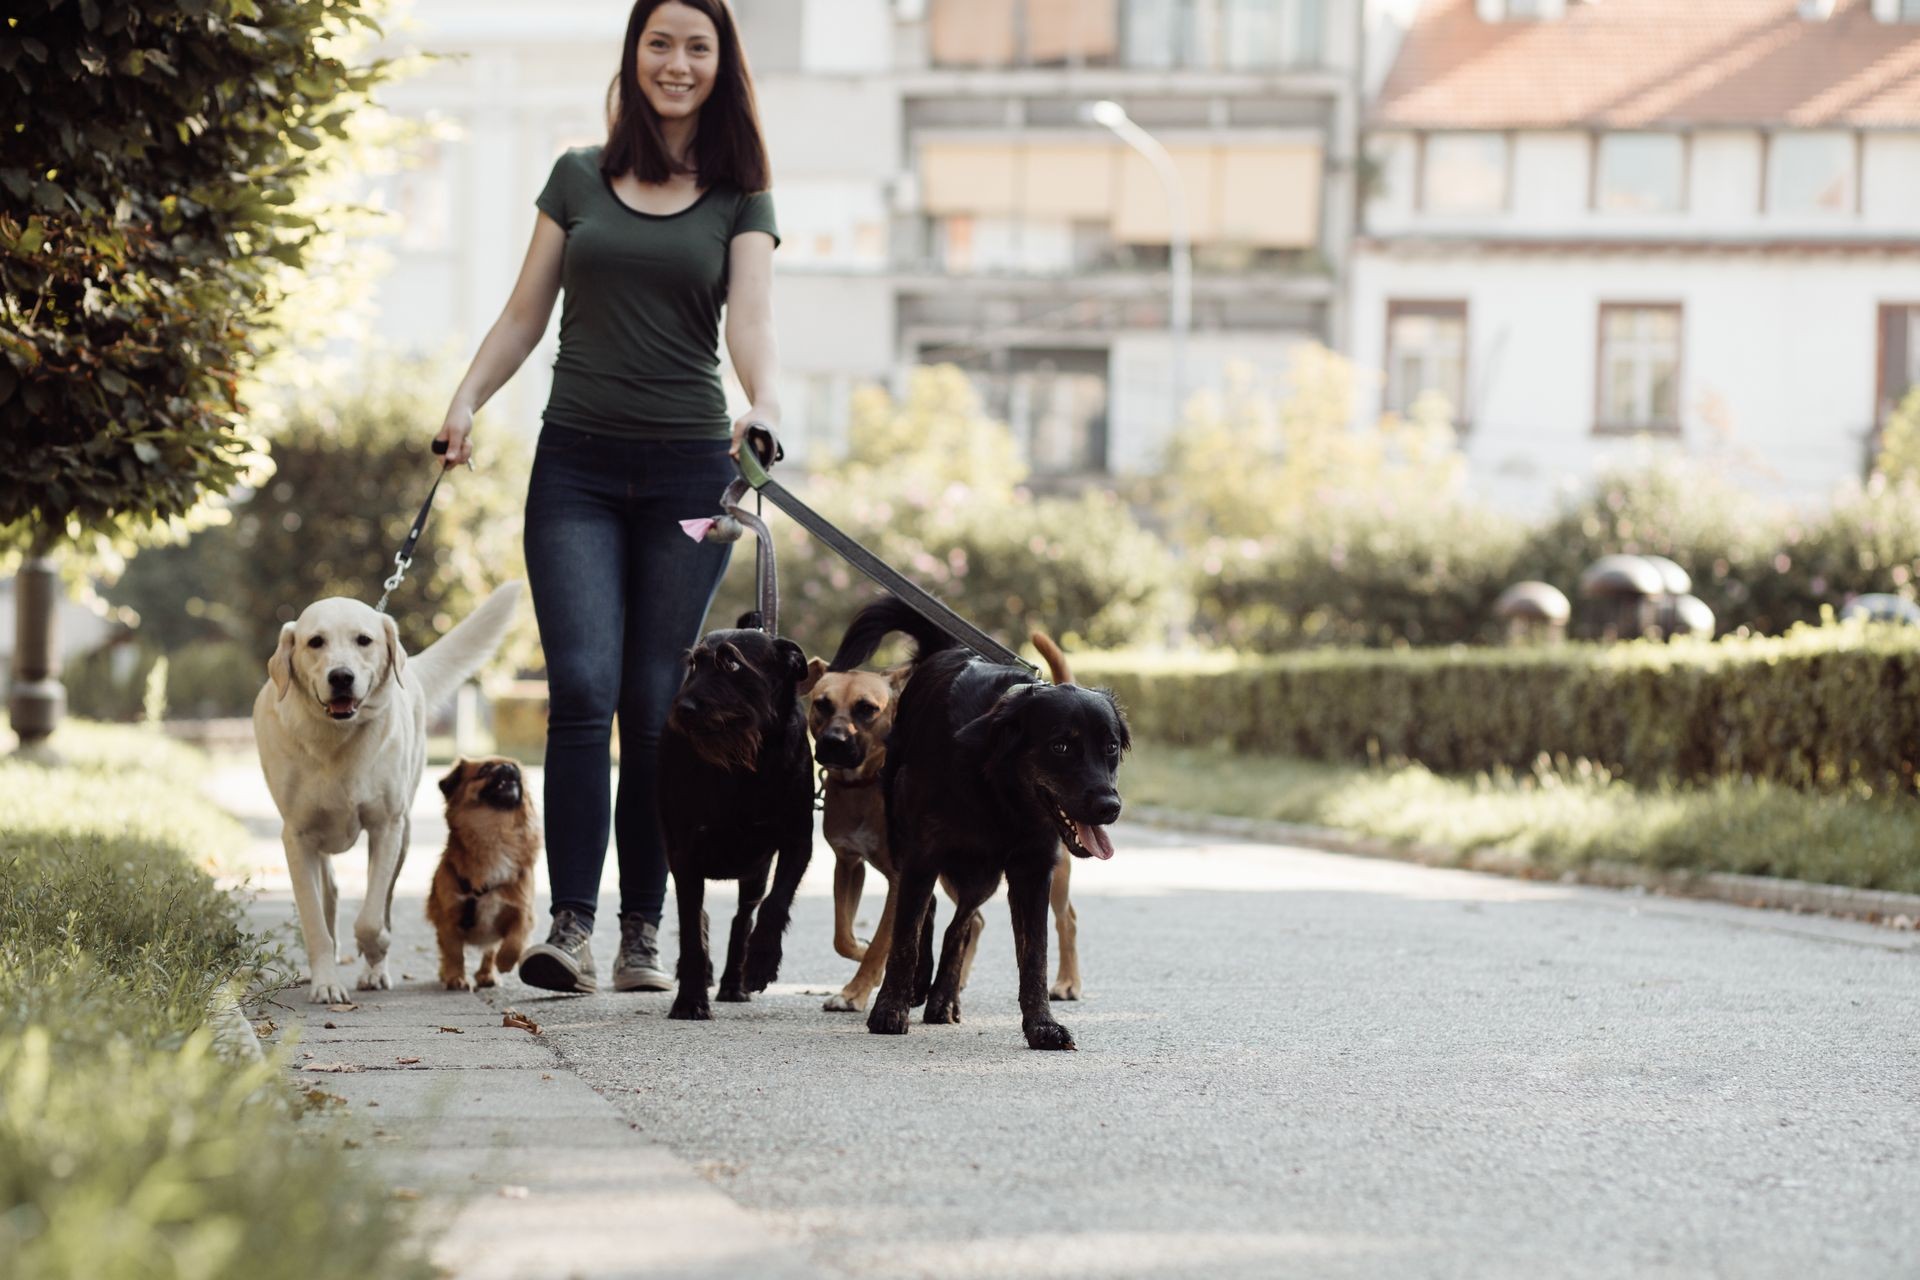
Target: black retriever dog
x,y
989,770
735,790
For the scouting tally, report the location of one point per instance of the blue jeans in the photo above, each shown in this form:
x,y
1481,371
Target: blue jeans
x,y
620,592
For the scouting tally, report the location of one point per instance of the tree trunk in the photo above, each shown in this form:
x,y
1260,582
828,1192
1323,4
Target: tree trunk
x,y
38,699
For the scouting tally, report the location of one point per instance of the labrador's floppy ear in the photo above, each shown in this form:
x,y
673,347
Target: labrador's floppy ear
x,y
816,667
396,656
452,780
280,665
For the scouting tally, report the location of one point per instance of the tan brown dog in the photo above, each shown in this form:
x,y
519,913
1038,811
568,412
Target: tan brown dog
x,y
482,892
850,714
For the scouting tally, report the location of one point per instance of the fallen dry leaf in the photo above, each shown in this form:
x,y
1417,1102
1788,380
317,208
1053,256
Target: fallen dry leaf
x,y
405,1193
342,1008
337,1068
514,1018
329,1026
321,1098
406,1062
455,1030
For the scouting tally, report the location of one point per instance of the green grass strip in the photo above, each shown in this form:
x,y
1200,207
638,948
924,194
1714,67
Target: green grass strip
x,y
1555,821
130,1149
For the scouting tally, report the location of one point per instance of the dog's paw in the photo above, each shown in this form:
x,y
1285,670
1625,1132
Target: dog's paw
x,y
731,994
1064,990
841,1002
887,1020
482,981
328,990
1049,1035
691,1010
374,977
458,982
940,1012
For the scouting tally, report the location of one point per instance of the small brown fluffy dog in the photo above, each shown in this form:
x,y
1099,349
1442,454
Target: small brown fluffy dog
x,y
850,714
483,890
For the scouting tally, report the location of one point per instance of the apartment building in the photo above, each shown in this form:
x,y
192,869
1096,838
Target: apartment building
x,y
942,194
1589,222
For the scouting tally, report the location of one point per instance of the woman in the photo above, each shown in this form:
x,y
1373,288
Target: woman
x,y
648,235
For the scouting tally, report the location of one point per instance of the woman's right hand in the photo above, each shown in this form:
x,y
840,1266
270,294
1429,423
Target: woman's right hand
x,y
457,431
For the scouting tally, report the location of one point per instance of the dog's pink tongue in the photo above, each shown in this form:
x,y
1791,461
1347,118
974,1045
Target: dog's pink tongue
x,y
1094,839
340,706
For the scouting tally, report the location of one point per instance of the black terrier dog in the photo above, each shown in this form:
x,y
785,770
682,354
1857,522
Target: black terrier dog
x,y
735,790
989,770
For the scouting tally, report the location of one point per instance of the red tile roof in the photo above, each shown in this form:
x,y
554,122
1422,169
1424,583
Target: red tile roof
x,y
1647,63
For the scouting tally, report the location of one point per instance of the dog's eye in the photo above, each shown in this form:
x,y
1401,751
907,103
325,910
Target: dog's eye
x,y
1113,747
317,642
363,641
1059,746
864,711
823,705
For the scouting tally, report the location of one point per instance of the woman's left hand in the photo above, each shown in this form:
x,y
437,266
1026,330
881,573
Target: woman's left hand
x,y
758,416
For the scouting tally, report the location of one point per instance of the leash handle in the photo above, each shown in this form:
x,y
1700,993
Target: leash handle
x,y
762,451
403,558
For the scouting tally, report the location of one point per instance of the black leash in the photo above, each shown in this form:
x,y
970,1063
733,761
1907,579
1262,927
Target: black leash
x,y
763,450
403,559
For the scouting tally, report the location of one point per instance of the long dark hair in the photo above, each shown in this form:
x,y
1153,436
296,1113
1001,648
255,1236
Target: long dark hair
x,y
727,146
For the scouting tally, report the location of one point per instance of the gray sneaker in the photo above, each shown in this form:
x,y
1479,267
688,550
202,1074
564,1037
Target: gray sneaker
x,y
564,962
638,968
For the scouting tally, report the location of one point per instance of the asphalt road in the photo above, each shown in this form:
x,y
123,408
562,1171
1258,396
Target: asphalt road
x,y
1294,1063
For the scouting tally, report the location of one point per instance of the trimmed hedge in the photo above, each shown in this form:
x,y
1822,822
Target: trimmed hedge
x,y
1822,708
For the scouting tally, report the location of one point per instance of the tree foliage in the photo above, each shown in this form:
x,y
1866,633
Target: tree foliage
x,y
150,181
350,473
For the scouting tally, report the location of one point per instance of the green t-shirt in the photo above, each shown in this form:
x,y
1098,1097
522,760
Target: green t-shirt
x,y
640,325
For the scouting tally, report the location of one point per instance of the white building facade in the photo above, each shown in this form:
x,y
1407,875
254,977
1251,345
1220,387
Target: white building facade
x,y
1594,226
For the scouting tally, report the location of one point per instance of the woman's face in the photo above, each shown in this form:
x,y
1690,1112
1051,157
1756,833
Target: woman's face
x,y
679,56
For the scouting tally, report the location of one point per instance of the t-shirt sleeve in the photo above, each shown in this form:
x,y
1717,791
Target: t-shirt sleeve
x,y
756,214
553,198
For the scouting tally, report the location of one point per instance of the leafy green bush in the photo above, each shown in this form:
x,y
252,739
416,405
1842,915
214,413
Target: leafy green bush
x,y
932,487
1301,531
1832,708
350,475
129,1149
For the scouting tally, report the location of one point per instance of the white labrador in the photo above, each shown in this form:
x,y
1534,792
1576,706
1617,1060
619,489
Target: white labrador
x,y
342,729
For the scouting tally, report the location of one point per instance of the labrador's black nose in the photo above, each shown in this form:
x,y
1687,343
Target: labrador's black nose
x,y
341,679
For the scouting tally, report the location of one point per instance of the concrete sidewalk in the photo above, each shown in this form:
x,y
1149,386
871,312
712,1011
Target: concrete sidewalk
x,y
524,1171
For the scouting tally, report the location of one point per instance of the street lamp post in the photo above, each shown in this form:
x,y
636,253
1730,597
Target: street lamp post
x,y
1113,116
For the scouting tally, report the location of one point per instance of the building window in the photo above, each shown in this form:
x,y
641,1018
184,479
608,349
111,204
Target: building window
x,y
1007,33
1910,10
1639,375
1810,174
1899,355
1054,400
1641,173
1216,35
1427,352
1465,173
